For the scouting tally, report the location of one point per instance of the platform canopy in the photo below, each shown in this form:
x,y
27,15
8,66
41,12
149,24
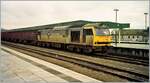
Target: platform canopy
x,y
78,23
109,25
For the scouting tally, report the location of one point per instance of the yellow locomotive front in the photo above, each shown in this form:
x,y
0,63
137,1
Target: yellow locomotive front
x,y
100,37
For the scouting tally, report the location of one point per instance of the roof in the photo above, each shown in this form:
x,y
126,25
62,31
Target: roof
x,y
51,26
109,25
2,29
78,23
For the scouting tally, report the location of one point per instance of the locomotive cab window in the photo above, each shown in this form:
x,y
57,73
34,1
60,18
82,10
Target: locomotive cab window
x,y
87,32
102,32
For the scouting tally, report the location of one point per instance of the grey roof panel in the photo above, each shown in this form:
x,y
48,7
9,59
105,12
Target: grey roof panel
x,y
78,23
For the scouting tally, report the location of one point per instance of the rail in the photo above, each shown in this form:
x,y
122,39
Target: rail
x,y
132,76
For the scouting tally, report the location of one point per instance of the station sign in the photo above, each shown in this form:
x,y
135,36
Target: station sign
x,y
109,25
114,25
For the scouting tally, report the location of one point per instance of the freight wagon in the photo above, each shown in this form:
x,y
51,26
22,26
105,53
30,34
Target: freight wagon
x,y
20,37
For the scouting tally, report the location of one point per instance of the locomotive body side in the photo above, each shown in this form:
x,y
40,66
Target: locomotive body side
x,y
75,38
52,35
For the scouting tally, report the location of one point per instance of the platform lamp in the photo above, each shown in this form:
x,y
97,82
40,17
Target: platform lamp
x,y
145,19
116,10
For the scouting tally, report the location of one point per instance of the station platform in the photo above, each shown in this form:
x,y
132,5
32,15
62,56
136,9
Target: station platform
x,y
16,67
129,45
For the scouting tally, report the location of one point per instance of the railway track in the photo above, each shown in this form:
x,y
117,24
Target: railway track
x,y
129,75
118,57
121,58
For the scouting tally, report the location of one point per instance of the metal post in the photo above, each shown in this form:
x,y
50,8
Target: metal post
x,y
145,20
116,14
116,10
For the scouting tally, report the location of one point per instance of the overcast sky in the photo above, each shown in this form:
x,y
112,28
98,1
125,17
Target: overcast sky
x,y
19,14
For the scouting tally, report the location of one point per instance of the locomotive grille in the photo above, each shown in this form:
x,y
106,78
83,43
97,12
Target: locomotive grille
x,y
102,42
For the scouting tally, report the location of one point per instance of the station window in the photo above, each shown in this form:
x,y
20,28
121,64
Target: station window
x,y
133,36
128,36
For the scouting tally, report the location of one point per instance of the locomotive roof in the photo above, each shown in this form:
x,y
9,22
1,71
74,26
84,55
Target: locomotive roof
x,y
78,23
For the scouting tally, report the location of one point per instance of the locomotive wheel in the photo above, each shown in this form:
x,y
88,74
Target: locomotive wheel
x,y
78,50
70,48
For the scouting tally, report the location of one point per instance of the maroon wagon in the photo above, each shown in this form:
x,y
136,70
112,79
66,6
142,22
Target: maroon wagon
x,y
20,36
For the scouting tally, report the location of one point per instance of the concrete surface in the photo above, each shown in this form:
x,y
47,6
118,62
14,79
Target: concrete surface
x,y
16,67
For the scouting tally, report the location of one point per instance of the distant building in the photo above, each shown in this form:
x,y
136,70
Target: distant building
x,y
134,35
2,29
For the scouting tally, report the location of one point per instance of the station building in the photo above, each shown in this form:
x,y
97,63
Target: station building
x,y
134,35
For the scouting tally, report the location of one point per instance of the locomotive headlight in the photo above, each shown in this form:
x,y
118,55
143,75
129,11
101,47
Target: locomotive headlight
x,y
113,44
105,32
